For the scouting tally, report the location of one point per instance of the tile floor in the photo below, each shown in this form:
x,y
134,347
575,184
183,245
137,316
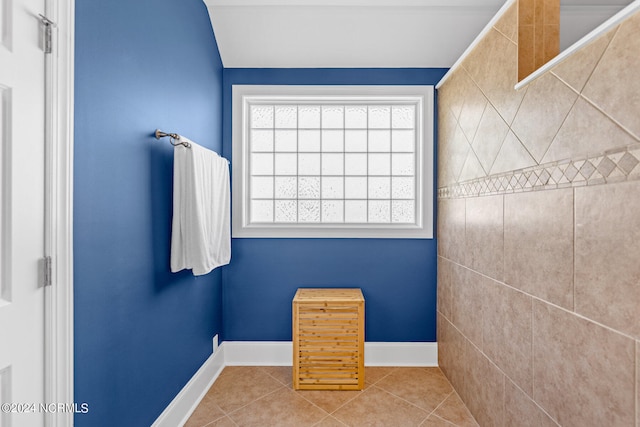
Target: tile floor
x,y
263,396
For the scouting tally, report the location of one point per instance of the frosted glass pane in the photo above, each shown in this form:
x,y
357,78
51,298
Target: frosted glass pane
x,y
379,164
308,211
355,116
332,164
261,116
379,140
286,140
309,140
286,187
286,164
286,211
402,211
261,187
379,188
309,116
355,188
261,164
332,188
261,140
402,164
332,140
403,116
332,210
380,116
355,211
402,188
355,164
286,116
403,140
332,116
379,211
261,211
308,164
355,140
309,187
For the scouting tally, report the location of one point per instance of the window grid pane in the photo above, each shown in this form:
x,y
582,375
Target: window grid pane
x,y
332,163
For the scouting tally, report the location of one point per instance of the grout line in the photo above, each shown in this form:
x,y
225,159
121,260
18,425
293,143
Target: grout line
x,y
506,135
604,51
533,356
555,135
273,376
637,380
333,418
608,116
533,401
404,400
575,240
444,420
312,403
506,36
214,420
580,316
324,410
253,401
393,368
433,412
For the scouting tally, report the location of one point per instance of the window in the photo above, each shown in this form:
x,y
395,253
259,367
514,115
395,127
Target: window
x,y
333,161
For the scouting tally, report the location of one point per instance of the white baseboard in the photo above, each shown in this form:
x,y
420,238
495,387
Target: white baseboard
x,y
185,402
401,354
280,353
258,353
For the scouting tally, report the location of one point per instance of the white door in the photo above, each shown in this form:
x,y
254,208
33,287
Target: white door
x,y
22,130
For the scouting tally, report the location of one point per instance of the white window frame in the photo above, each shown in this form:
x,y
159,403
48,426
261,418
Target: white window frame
x,y
244,95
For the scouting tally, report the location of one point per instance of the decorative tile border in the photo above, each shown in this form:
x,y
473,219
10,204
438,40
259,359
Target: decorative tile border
x,y
612,166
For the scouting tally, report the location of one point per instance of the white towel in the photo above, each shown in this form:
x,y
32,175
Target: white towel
x,y
200,234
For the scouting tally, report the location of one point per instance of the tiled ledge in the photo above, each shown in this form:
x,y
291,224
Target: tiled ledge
x,y
610,167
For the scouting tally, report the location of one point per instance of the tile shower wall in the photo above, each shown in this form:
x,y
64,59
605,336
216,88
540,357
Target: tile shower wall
x,y
539,234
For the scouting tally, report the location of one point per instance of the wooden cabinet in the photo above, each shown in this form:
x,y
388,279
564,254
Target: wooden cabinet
x,y
328,339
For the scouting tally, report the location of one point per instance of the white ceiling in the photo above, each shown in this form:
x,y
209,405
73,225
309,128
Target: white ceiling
x,y
365,33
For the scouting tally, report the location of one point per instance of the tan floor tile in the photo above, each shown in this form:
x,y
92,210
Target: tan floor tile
x,y
222,422
376,407
283,374
239,385
435,421
255,396
329,400
281,408
206,412
454,411
329,421
373,374
424,387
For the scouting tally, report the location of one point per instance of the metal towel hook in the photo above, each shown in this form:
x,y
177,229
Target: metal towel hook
x,y
174,138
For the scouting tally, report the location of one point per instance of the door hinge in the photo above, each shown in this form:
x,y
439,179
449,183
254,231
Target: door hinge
x,y
47,33
47,276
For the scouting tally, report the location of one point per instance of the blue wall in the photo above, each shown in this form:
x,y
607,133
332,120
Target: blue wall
x,y
398,277
140,331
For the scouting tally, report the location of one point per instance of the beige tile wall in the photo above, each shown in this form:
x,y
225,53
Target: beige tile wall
x,y
539,291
